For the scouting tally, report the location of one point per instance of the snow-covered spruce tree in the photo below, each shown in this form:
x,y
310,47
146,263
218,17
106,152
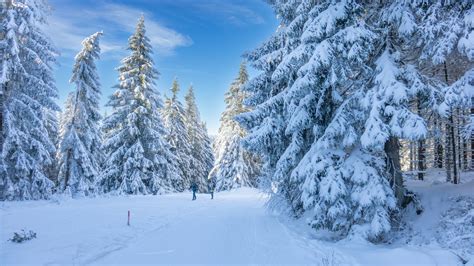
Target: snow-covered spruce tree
x,y
337,118
447,42
138,158
52,126
345,186
201,151
174,117
27,97
266,123
234,166
79,150
437,37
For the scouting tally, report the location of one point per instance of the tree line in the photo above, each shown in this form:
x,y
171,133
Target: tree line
x,y
142,147
351,97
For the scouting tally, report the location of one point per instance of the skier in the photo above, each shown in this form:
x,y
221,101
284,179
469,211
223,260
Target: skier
x,y
211,189
211,186
194,188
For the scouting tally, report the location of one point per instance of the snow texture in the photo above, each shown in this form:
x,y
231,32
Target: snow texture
x,y
171,229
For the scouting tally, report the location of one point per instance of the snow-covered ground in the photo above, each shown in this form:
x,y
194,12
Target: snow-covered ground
x,y
233,228
448,217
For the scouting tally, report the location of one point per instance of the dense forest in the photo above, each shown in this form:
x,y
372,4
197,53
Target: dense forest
x,y
351,99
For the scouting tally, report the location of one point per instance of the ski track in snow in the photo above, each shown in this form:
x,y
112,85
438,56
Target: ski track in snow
x,y
171,229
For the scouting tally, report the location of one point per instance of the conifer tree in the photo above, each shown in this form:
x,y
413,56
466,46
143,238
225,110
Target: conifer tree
x,y
27,98
265,123
435,38
335,97
138,158
234,167
174,117
79,151
201,151
328,110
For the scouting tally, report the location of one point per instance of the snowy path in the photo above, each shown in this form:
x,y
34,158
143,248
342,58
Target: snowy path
x,y
233,228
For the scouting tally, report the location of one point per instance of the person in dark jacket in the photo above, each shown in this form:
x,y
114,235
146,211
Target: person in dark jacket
x,y
211,190
194,188
211,186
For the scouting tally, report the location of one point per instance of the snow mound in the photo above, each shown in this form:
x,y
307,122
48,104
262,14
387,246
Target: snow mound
x,y
448,218
456,227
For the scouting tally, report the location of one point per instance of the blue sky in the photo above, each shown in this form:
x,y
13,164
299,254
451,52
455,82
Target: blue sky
x,y
197,41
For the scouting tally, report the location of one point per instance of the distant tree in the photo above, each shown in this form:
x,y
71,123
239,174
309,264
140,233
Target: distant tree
x,y
79,151
201,151
234,166
174,117
138,158
445,39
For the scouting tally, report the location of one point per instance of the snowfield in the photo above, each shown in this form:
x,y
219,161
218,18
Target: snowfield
x,y
171,229
448,217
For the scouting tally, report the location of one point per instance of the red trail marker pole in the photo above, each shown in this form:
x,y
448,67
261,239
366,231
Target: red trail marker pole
x,y
128,221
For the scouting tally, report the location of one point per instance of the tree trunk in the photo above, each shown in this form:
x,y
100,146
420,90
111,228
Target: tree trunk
x,y
392,149
465,156
472,137
448,157
68,172
453,147
421,160
438,146
2,111
452,137
421,150
464,140
458,130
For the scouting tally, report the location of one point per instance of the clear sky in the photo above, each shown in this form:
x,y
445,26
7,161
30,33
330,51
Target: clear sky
x,y
198,41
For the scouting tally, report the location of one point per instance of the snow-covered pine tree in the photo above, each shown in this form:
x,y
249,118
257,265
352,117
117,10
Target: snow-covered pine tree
x,y
138,158
79,150
326,120
27,97
447,43
435,38
52,126
266,123
345,186
234,167
201,151
208,154
174,117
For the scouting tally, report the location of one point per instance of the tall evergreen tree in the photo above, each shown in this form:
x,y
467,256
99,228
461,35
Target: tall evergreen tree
x,y
138,158
201,151
435,38
331,104
234,166
27,97
79,151
174,117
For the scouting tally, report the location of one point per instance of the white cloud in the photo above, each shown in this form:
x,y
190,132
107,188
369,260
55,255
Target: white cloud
x,y
68,26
